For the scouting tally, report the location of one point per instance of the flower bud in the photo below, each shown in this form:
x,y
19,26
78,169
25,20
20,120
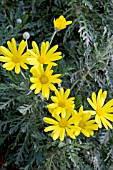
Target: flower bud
x,y
26,35
19,21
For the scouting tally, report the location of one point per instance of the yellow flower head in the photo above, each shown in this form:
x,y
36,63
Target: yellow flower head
x,y
13,57
45,55
61,102
102,111
60,126
43,80
86,126
61,23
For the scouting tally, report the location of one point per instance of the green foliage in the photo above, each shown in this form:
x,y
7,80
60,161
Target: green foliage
x,y
87,65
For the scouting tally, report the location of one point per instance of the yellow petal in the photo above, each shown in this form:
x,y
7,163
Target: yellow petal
x,y
62,92
52,50
103,97
54,99
52,106
70,133
62,133
94,98
35,48
35,71
44,48
21,47
91,103
109,110
45,92
99,98
55,56
33,80
68,114
33,86
32,53
57,94
98,121
38,88
17,68
90,111
9,66
71,121
32,61
10,47
91,133
14,46
50,128
5,59
56,134
109,116
68,22
63,112
81,110
57,110
57,117
108,104
37,91
92,127
24,66
90,122
86,116
106,123
67,92
86,133
5,52
77,132
48,69
50,121
55,79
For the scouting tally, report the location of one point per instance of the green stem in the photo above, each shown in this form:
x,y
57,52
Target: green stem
x,y
53,36
23,74
27,44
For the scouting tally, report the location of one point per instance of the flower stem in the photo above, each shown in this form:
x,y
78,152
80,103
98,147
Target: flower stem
x,y
52,37
27,44
23,75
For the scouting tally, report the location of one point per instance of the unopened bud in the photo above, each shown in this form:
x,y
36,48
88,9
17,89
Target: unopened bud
x,y
26,35
19,21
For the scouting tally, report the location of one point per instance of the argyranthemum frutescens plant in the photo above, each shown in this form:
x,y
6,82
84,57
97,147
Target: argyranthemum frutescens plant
x,y
68,119
61,102
13,57
102,112
45,55
43,80
64,120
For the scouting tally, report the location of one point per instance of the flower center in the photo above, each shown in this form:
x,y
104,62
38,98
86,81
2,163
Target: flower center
x,y
42,59
63,123
62,104
82,124
100,111
16,58
44,79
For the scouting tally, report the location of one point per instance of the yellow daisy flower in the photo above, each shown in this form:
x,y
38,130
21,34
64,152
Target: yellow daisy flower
x,y
60,126
61,23
61,102
43,80
45,55
13,57
102,111
86,126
